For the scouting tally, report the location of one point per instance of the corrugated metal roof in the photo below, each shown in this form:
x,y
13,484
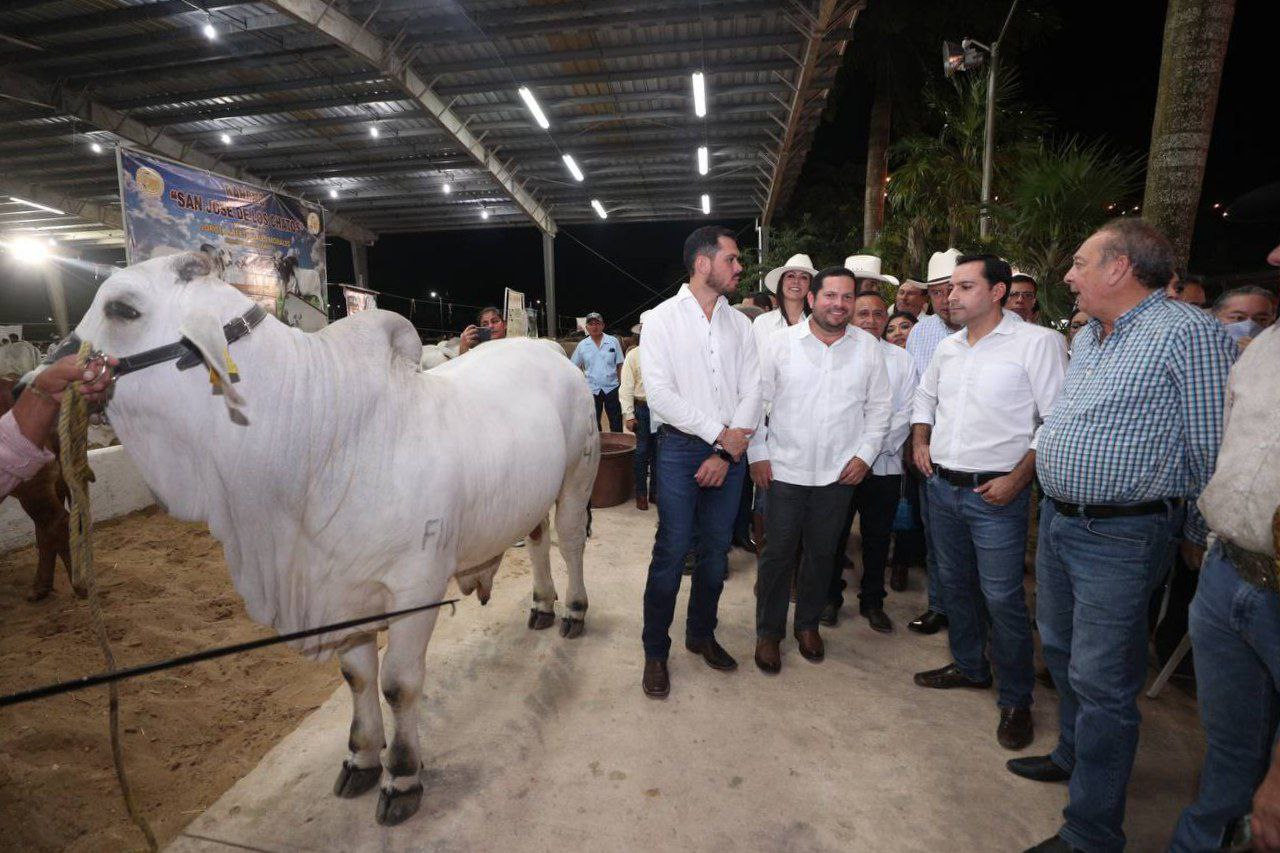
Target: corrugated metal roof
x,y
612,75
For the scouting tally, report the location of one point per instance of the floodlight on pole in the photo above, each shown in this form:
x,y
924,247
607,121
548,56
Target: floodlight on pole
x,y
599,208
534,107
706,203
969,58
699,94
37,205
703,160
572,166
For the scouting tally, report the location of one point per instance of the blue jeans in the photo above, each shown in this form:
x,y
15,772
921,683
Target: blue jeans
x,y
980,548
1094,577
687,510
1235,630
930,555
645,469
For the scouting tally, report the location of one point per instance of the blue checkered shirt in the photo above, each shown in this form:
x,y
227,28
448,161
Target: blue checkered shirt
x,y
924,338
1140,415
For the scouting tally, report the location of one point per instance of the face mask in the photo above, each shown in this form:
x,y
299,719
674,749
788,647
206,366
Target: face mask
x,y
1243,329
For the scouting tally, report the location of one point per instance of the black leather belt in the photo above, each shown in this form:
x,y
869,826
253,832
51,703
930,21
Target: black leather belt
x,y
1258,569
1114,510
670,428
971,479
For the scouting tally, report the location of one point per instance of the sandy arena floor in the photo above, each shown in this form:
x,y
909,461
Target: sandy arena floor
x,y
189,734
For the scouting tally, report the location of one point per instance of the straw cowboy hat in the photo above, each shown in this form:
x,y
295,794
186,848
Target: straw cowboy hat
x,y
941,265
868,266
798,263
635,330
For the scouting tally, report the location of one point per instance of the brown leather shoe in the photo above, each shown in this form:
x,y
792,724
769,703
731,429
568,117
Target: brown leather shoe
x,y
810,643
948,677
711,651
898,578
642,502
656,681
1016,730
768,656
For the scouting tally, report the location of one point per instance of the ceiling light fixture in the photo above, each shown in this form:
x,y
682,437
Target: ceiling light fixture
x,y
333,192
703,165
599,208
447,188
374,132
36,205
210,31
484,213
226,138
532,103
699,94
706,203
95,147
572,166
28,251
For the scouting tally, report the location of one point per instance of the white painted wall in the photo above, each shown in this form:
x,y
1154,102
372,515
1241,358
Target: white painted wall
x,y
117,490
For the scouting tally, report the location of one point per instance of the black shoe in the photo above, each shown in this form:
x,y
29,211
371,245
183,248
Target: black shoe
x,y
830,616
1016,730
947,677
1052,845
929,622
1037,768
656,681
879,621
711,651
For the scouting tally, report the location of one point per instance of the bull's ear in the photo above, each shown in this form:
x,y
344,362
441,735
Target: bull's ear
x,y
192,265
203,329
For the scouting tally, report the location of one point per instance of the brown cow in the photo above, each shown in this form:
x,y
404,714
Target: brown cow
x,y
44,498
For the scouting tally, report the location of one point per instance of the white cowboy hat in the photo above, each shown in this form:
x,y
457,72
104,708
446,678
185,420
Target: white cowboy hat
x,y
798,263
635,330
941,265
912,284
867,266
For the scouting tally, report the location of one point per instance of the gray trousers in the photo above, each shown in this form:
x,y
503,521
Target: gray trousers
x,y
812,516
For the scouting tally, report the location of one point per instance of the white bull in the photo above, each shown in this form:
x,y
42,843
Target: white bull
x,y
348,483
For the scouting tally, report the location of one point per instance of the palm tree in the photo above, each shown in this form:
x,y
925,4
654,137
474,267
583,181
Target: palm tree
x,y
1195,43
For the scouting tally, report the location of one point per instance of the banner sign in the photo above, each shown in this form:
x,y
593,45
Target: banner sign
x,y
270,246
517,320
359,299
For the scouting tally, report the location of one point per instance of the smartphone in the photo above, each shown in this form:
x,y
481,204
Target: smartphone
x,y
483,333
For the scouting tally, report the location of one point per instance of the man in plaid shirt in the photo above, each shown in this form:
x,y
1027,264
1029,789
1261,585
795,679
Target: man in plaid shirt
x,y
1122,457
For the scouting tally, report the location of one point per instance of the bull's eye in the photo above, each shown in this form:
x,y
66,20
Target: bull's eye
x,y
118,310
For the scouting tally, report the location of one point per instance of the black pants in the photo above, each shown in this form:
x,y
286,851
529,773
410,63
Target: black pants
x,y
908,545
876,500
811,516
608,401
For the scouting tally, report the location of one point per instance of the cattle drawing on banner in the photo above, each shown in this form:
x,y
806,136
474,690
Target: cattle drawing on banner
x,y
270,246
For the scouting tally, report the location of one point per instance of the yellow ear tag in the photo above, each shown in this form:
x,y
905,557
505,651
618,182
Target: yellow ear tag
x,y
233,373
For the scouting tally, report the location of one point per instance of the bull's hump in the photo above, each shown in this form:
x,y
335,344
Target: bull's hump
x,y
387,327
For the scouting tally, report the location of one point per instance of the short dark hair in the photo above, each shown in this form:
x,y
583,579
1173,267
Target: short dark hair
x,y
704,241
815,286
490,309
995,270
1149,252
761,299
895,314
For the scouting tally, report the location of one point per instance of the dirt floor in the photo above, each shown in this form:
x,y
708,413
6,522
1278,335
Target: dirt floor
x,y
190,733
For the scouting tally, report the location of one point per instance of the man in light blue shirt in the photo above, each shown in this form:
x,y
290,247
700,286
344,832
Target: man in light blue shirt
x,y
600,357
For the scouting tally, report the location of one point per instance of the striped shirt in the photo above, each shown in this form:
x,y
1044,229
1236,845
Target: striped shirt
x,y
1140,414
924,338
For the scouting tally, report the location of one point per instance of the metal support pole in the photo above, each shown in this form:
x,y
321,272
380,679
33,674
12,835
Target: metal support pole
x,y
360,261
762,243
549,281
988,148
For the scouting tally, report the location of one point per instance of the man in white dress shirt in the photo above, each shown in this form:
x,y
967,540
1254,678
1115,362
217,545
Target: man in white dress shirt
x,y
875,499
828,393
702,376
921,343
974,423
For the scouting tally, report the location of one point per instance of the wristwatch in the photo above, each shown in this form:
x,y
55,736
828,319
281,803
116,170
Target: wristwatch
x,y
722,453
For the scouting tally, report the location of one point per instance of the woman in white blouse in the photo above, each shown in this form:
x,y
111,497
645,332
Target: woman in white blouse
x,y
791,284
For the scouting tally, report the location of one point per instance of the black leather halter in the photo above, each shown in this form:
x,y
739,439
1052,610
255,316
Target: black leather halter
x,y
184,352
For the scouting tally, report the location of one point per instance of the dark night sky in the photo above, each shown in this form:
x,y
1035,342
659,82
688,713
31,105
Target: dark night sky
x,y
1096,75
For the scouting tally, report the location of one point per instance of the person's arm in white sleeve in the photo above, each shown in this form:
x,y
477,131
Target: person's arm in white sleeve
x,y
925,400
878,410
657,366
627,386
746,415
1046,371
758,448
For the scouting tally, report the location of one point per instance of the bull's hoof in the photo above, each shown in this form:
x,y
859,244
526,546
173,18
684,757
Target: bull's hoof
x,y
398,806
540,620
353,781
571,628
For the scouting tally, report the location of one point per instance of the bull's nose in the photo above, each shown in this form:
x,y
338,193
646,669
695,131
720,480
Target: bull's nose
x,y
69,346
